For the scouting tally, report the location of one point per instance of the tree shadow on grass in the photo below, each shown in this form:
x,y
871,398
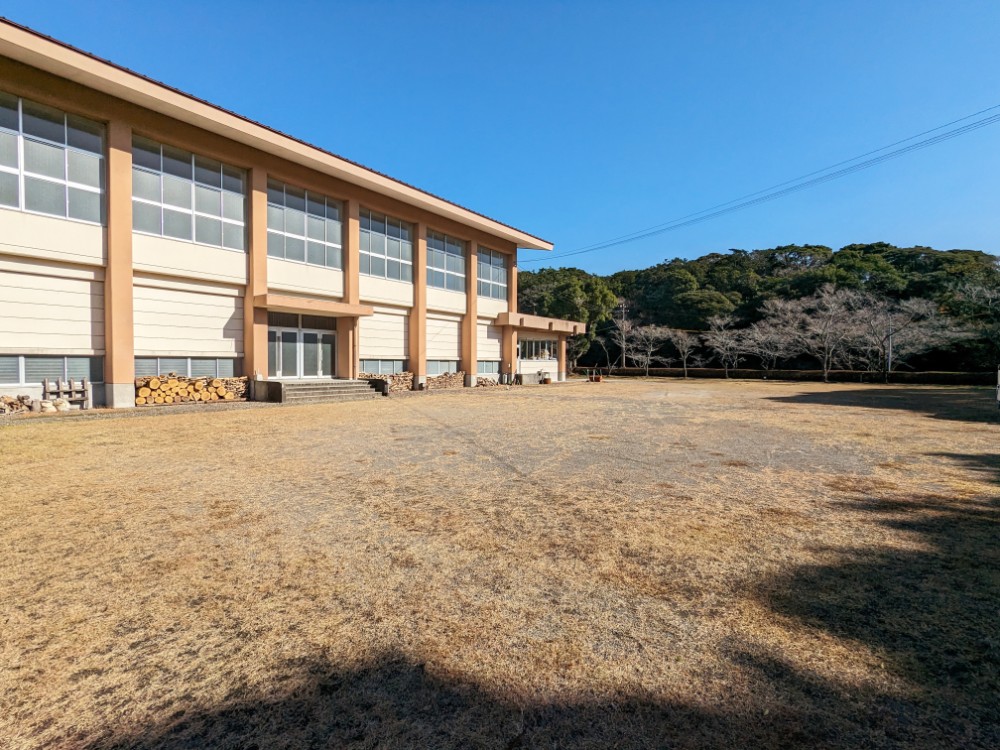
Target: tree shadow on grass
x,y
929,611
965,404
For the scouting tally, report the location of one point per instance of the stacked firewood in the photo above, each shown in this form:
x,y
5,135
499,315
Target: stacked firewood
x,y
177,389
15,405
448,380
482,382
400,381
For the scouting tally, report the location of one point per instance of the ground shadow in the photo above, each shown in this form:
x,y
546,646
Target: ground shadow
x,y
930,612
967,404
395,703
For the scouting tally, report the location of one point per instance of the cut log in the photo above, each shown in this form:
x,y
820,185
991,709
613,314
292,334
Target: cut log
x,y
144,391
154,383
139,400
216,383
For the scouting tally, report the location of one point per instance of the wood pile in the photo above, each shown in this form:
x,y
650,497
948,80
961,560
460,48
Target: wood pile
x,y
486,382
177,389
448,380
401,381
15,404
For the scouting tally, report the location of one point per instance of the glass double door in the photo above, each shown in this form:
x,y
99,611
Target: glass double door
x,y
300,353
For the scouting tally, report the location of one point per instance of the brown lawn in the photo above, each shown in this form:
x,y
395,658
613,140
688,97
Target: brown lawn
x,y
627,564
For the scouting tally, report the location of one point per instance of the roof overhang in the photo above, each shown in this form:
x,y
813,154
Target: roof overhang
x,y
310,306
536,323
39,51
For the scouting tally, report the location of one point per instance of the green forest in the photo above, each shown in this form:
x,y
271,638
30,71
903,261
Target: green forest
x,y
873,306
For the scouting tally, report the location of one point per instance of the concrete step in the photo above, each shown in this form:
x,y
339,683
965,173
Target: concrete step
x,y
326,398
331,389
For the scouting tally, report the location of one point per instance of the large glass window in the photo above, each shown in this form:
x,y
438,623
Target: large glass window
x,y
488,367
441,366
32,370
383,366
445,262
492,274
193,367
386,246
187,197
50,162
538,349
303,226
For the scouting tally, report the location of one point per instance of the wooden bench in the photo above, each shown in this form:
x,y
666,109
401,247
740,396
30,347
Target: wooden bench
x,y
73,392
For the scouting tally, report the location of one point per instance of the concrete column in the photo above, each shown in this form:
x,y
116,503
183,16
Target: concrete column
x,y
470,323
352,251
119,330
255,364
418,313
508,350
561,376
347,347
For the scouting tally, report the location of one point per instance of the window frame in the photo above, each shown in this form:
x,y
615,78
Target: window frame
x,y
536,346
237,361
273,184
22,368
447,242
366,256
192,210
22,173
497,290
434,367
392,370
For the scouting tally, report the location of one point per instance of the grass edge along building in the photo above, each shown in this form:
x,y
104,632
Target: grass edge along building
x,y
143,230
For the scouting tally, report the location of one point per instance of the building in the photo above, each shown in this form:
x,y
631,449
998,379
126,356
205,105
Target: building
x,y
143,230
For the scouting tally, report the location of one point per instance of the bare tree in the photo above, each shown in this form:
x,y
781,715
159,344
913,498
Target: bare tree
x,y
686,345
776,337
890,331
725,342
646,342
825,325
621,336
602,342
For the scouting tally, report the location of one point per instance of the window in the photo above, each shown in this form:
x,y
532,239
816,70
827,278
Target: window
x,y
492,274
445,262
383,366
32,370
303,226
531,349
488,367
386,247
187,197
441,366
50,162
189,367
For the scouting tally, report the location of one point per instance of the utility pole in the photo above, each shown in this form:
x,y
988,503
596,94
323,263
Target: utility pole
x,y
888,357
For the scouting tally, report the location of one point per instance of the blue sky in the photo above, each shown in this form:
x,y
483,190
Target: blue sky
x,y
581,121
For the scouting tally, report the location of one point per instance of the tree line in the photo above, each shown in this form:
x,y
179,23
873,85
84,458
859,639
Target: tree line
x,y
876,307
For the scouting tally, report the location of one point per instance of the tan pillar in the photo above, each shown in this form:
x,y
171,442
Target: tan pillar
x,y
119,331
255,364
508,350
561,375
470,323
347,347
352,251
418,313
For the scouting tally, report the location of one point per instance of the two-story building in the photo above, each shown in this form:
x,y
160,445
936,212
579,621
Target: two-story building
x,y
143,231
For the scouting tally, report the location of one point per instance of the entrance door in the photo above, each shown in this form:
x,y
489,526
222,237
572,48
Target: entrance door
x,y
300,353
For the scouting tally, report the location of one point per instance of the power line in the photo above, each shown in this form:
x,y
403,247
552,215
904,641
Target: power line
x,y
772,193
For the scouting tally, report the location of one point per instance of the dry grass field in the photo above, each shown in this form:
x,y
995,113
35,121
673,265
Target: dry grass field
x,y
631,564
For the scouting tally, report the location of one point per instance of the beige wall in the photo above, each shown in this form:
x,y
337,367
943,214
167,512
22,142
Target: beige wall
x,y
490,340
301,278
168,257
187,319
385,291
444,336
445,300
51,238
531,366
487,307
46,308
384,335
